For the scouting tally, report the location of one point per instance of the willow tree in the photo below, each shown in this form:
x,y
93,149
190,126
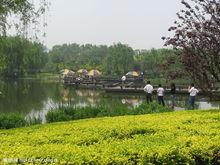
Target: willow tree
x,y
20,14
197,35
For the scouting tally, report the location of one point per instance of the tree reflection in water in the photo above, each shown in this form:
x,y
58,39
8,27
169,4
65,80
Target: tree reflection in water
x,y
36,97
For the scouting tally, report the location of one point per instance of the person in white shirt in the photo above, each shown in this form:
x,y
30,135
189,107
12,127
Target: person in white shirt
x,y
148,89
160,94
192,94
123,79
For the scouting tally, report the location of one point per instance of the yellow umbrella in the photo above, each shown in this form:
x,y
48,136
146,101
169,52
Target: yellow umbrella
x,y
67,72
132,73
64,71
82,71
94,72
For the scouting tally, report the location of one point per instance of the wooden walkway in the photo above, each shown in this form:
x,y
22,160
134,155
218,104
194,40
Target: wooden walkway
x,y
130,86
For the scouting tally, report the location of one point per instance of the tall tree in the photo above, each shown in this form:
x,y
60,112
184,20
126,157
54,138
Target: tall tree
x,y
159,63
197,35
19,56
25,11
120,59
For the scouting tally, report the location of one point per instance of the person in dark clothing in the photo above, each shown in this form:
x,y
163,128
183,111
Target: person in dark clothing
x,y
173,94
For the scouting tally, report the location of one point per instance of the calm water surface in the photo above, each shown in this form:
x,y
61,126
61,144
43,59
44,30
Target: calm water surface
x,y
36,97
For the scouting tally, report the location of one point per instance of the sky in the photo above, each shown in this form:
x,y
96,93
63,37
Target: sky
x,y
138,23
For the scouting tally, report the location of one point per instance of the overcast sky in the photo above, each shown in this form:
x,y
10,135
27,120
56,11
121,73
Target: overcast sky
x,y
138,23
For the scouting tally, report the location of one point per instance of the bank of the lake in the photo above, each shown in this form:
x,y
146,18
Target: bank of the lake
x,y
35,97
183,137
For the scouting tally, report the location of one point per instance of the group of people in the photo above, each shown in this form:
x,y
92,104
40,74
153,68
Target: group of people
x,y
160,94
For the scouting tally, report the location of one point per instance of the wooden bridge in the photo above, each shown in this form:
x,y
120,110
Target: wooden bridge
x,y
116,85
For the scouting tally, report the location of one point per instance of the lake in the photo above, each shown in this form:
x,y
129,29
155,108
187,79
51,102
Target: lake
x,y
34,97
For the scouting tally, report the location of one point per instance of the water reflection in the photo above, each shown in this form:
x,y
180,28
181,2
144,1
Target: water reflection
x,y
134,102
36,97
22,96
79,98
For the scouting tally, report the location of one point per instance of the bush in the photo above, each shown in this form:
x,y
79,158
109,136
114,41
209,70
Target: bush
x,y
182,137
14,120
11,121
58,115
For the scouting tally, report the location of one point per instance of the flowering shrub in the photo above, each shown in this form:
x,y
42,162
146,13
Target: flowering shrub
x,y
184,137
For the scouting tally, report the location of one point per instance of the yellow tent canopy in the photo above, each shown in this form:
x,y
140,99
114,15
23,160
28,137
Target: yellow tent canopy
x,y
67,72
82,71
94,72
132,73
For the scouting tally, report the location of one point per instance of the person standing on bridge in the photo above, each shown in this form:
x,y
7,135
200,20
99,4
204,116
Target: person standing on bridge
x,y
148,89
192,94
123,79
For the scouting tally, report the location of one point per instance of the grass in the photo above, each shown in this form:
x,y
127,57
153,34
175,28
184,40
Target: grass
x,y
184,137
74,113
14,120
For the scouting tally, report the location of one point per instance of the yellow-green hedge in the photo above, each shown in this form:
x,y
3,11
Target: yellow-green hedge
x,y
188,137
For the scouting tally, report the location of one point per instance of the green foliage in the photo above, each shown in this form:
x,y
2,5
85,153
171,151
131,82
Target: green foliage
x,y
18,56
23,12
160,63
117,60
120,59
58,115
70,113
183,137
114,60
11,121
74,56
151,108
196,33
14,120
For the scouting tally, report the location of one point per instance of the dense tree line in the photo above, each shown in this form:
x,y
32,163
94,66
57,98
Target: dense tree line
x,y
75,56
117,59
19,56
